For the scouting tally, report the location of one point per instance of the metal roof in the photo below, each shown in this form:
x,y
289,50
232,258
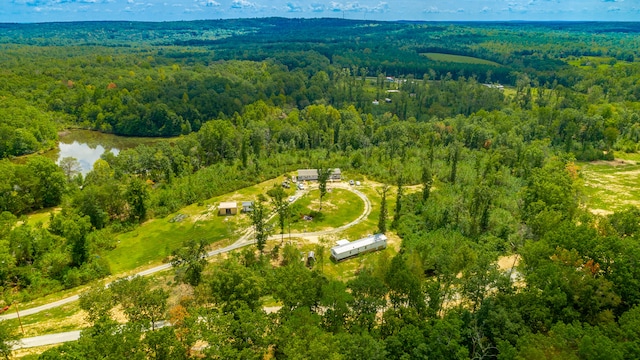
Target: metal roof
x,y
314,172
308,172
369,240
228,205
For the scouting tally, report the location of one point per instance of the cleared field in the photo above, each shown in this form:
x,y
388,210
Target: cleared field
x,y
339,207
154,240
598,62
459,59
611,185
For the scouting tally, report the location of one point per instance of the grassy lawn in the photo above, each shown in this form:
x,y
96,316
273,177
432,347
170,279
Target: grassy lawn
x,y
339,207
154,240
60,319
459,59
347,269
41,216
610,186
627,156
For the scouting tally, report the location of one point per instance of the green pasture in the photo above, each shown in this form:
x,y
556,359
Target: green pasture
x,y
599,62
610,186
459,59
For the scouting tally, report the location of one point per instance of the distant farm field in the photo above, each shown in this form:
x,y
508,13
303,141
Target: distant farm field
x,y
459,59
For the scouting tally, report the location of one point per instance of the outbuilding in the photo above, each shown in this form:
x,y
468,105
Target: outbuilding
x,y
228,208
346,249
312,174
247,206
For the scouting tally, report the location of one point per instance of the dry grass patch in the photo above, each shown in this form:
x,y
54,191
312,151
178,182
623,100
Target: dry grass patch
x,y
610,185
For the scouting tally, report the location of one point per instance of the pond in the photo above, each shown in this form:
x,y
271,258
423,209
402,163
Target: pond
x,y
87,146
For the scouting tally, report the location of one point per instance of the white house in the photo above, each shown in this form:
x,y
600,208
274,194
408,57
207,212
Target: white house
x,y
346,249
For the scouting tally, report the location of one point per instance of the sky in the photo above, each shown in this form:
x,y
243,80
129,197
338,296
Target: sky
x,y
27,11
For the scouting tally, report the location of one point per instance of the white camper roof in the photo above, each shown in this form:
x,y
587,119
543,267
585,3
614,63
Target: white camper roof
x,y
359,243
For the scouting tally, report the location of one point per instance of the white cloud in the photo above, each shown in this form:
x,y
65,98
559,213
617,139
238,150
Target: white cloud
x,y
436,10
293,7
315,7
243,4
380,8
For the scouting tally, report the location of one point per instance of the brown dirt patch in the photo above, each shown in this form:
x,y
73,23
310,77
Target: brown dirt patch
x,y
601,212
506,263
20,353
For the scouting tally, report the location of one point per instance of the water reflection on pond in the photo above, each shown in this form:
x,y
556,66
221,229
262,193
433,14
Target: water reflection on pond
x,y
83,152
87,146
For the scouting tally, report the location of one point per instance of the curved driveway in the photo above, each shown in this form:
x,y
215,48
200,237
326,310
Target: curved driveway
x,y
244,240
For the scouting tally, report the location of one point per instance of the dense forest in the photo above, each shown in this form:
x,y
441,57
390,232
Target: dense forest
x,y
490,130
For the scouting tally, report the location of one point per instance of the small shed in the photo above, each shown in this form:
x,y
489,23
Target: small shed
x,y
370,243
228,208
311,259
247,206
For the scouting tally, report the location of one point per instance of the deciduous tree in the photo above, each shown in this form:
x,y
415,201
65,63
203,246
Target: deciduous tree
x,y
189,261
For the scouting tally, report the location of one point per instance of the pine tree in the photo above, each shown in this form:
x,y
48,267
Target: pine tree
x,y
382,221
398,209
427,182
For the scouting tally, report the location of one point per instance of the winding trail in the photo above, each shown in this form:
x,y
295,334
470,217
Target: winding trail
x,y
245,240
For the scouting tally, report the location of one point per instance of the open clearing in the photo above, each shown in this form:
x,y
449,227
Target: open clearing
x,y
154,240
610,185
339,207
459,59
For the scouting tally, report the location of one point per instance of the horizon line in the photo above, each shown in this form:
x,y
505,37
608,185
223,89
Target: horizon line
x,y
319,18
